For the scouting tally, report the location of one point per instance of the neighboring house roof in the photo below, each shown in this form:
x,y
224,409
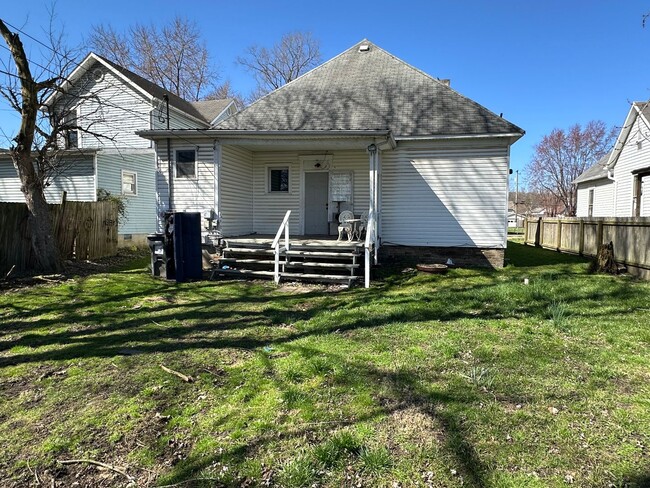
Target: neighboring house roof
x,y
210,110
638,109
144,86
369,89
155,90
597,171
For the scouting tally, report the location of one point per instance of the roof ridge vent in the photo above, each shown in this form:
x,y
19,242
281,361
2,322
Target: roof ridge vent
x,y
364,48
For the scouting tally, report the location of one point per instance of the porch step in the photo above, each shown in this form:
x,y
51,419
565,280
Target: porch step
x,y
302,264
248,250
247,273
305,264
323,254
318,261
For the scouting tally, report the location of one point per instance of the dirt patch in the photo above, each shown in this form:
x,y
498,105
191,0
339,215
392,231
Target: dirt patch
x,y
74,269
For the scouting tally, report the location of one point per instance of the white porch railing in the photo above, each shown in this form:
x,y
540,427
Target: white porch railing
x,y
276,244
370,246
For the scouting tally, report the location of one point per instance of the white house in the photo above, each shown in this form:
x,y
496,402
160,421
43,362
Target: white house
x,y
364,131
114,102
618,185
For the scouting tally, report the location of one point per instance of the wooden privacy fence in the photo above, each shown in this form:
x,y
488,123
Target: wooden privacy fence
x,y
631,237
84,230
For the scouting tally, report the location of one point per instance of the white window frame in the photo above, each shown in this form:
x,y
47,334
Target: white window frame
x,y
135,183
269,169
196,166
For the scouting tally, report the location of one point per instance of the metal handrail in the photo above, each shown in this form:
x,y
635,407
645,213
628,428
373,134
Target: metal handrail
x,y
370,245
276,244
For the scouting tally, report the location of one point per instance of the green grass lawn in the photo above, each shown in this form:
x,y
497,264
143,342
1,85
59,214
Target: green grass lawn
x,y
469,379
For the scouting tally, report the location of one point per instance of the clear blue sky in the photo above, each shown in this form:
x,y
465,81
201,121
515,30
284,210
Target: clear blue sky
x,y
543,64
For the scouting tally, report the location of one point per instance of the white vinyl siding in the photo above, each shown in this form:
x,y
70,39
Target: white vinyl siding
x,y
236,191
270,207
633,156
177,119
140,208
603,198
110,108
445,194
190,194
77,179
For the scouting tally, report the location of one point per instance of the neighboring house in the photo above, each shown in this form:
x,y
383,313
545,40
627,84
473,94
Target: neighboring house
x,y
114,103
364,131
515,220
618,185
596,190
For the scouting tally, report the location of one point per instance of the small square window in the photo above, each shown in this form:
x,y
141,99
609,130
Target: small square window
x,y
129,183
279,179
186,163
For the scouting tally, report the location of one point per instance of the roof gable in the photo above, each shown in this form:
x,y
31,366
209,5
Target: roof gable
x,y
370,90
638,109
141,85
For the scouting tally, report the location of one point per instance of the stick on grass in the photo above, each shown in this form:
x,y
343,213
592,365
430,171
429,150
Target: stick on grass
x,y
185,378
97,463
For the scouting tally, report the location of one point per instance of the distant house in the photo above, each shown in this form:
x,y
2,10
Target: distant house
x,y
114,103
366,132
618,184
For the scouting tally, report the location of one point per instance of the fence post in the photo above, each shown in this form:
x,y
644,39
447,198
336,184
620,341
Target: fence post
x,y
538,233
526,231
581,238
559,234
599,234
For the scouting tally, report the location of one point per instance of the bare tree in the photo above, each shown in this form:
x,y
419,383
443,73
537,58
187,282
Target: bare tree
x,y
173,56
225,90
295,54
46,132
562,156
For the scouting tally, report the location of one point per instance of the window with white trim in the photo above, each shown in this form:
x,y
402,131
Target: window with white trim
x,y
186,163
279,180
129,183
71,134
590,209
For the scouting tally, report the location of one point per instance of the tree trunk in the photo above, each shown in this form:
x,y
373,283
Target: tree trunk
x,y
44,244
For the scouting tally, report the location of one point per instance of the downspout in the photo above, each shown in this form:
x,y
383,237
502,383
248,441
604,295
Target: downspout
x,y
170,166
217,183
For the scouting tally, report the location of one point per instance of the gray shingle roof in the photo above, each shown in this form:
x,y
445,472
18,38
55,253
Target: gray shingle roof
x,y
210,109
370,90
595,172
157,91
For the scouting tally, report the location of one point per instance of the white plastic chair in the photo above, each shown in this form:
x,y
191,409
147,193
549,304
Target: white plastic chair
x,y
363,225
345,225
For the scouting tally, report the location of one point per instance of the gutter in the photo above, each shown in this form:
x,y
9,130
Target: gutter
x,y
236,133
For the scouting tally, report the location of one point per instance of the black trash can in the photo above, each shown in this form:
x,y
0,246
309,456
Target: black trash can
x,y
156,244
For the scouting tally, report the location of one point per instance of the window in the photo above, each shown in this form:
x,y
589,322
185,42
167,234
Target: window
x,y
71,135
186,163
278,179
129,183
591,203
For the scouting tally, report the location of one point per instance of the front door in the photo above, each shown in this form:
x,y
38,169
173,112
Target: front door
x,y
316,198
